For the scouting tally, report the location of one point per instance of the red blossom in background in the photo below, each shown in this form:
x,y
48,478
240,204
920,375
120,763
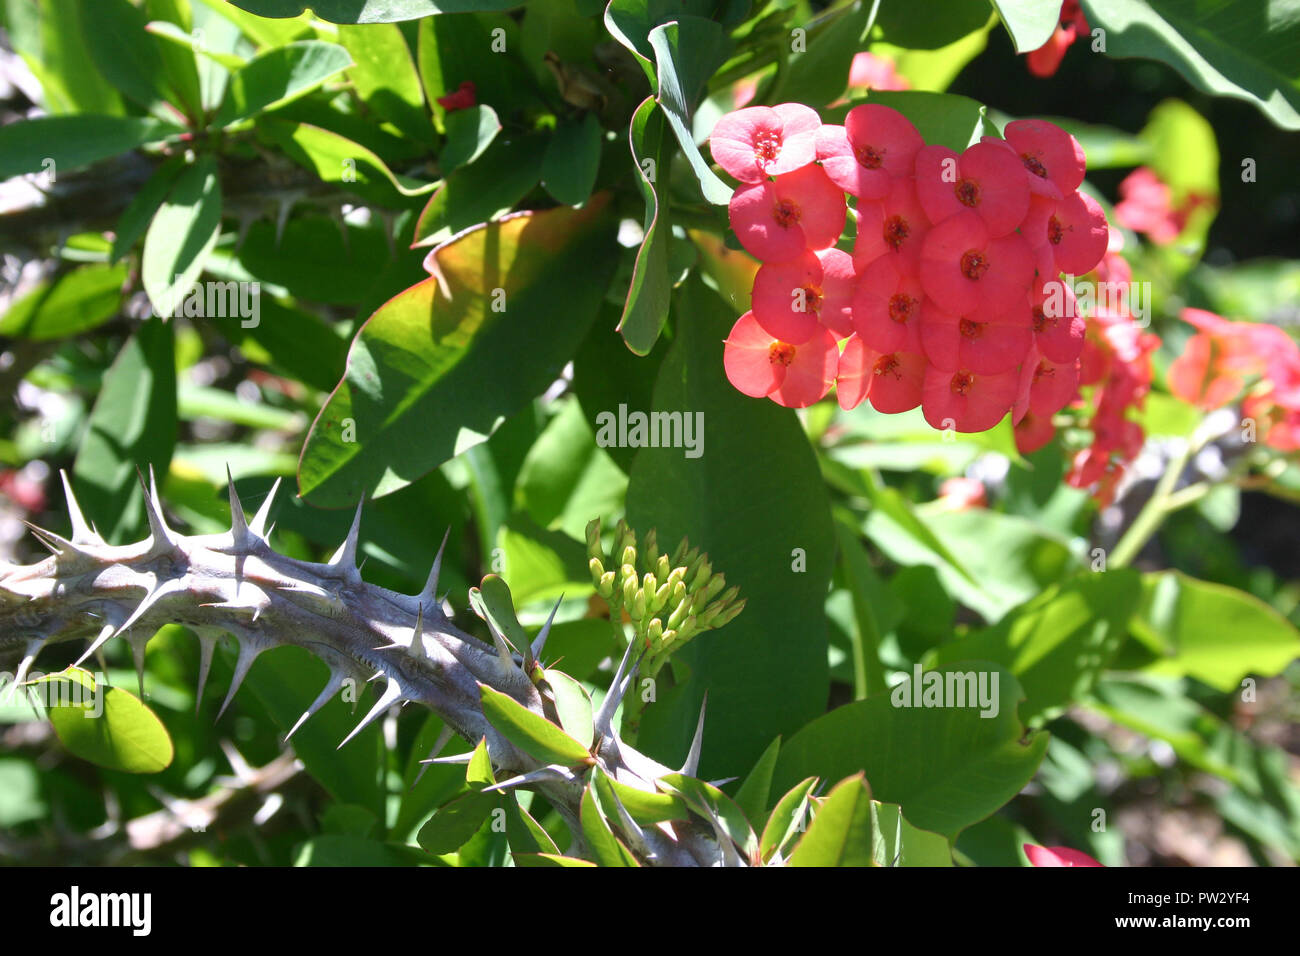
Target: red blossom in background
x,y
1146,205
1071,26
463,98
871,72
1057,856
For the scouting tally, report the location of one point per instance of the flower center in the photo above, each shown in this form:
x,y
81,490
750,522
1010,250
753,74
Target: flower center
x,y
787,213
811,300
781,353
901,307
895,232
887,365
967,192
971,330
962,382
1044,370
1034,165
1055,231
974,264
1040,319
767,146
869,156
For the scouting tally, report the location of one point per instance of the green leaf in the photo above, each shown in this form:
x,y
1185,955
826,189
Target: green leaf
x,y
482,192
530,732
135,220
571,160
279,76
821,73
930,25
865,587
181,235
753,793
1214,46
340,850
1031,23
606,848
841,833
132,425
650,290
686,54
419,365
788,817
50,39
469,132
972,765
1058,643
74,141
385,77
1212,632
290,340
107,726
549,859
369,11
778,548
127,57
1184,151
75,303
898,843
179,62
644,807
572,706
710,802
456,822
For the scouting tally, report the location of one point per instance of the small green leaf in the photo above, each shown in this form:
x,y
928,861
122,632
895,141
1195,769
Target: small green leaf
x,y
181,235
531,732
75,303
107,726
469,132
1030,22
644,807
710,802
754,792
573,705
607,849
456,822
788,818
841,833
482,192
279,76
571,160
649,292
74,141
144,205
821,73
898,843
385,78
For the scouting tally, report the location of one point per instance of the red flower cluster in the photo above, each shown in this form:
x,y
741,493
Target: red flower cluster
x,y
1146,205
1226,359
1071,26
952,298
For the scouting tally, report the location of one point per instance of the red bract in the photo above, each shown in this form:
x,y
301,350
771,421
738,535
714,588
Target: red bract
x,y
839,279
462,99
896,226
1054,313
986,179
1048,153
963,266
887,307
965,401
778,220
1033,432
761,141
985,341
875,145
761,365
1074,229
1057,856
1072,26
891,380
1045,387
871,72
794,300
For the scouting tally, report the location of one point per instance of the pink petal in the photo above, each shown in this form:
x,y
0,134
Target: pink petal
x,y
1078,233
1057,855
748,360
966,402
897,378
887,307
786,299
811,373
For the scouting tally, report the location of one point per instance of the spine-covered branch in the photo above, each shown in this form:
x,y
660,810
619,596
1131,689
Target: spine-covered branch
x,y
235,583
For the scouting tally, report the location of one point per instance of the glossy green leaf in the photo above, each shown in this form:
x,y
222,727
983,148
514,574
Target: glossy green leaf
x,y
649,292
385,77
132,426
788,817
74,141
753,793
482,192
1212,632
643,806
607,849
778,549
1030,22
1214,46
710,802
898,843
278,76
181,235
107,726
75,303
419,364
180,65
930,25
469,132
531,732
572,706
456,822
1060,641
686,54
49,37
134,222
820,73
572,159
126,56
841,832
972,765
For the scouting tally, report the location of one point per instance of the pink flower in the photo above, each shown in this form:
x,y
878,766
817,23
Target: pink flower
x,y
462,99
778,220
896,226
875,145
1057,856
963,266
887,307
871,72
1045,387
1059,329
1072,25
761,141
1075,229
1146,205
984,341
1032,432
795,299
986,179
963,494
1048,153
852,377
891,380
965,401
759,364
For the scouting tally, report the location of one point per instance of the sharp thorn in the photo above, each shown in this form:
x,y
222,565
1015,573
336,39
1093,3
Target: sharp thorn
x,y
207,644
161,535
32,648
453,759
429,591
444,737
107,631
248,651
238,523
332,687
524,779
258,527
346,556
138,644
539,642
692,764
604,718
82,532
389,697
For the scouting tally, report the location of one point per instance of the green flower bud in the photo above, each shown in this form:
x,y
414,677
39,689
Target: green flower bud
x,y
593,540
650,548
655,635
660,599
679,612
728,614
678,594
637,606
605,587
716,584
663,567
669,636
597,570
680,553
630,590
629,555
693,568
